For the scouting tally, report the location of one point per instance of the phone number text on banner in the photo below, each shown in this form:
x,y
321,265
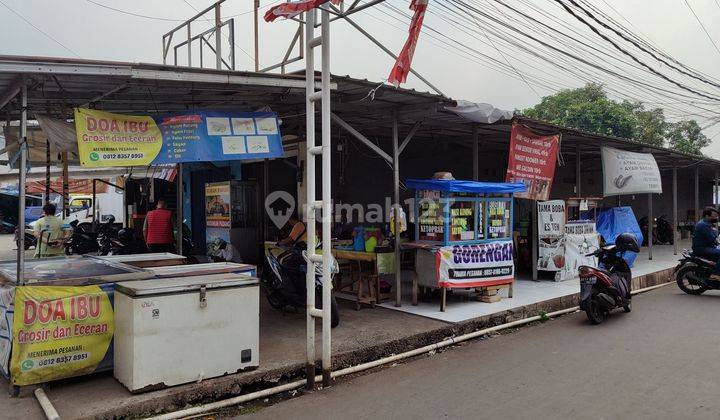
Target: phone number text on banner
x,y
108,139
475,265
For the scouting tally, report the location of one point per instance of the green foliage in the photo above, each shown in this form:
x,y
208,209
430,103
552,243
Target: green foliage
x,y
589,109
686,136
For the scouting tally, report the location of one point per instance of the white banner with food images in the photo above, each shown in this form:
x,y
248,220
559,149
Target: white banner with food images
x,y
7,298
629,172
580,239
476,265
551,232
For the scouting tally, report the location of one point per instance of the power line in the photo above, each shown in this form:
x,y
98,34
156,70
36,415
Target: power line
x,y
703,26
39,30
140,15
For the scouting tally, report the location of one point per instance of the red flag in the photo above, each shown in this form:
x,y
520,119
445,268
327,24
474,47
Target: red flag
x,y
402,64
294,8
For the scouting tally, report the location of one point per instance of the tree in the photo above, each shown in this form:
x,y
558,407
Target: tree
x,y
686,136
589,109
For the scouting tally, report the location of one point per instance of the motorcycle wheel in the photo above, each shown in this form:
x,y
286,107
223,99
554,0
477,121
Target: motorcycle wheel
x,y
594,312
334,311
628,308
684,283
275,299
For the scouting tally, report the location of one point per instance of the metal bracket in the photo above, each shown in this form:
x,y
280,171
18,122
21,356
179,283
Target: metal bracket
x,y
203,296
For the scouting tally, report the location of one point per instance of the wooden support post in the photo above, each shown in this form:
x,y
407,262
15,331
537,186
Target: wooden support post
x,y
578,180
476,154
65,184
47,170
697,193
533,237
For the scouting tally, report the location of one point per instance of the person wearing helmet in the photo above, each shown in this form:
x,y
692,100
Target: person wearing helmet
x,y
704,243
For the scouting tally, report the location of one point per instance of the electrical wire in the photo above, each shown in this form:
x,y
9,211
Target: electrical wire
x,y
702,26
50,37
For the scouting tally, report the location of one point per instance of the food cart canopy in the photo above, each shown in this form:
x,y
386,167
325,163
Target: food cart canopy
x,y
466,186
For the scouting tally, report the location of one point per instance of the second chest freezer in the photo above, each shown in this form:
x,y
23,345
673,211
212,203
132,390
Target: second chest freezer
x,y
185,329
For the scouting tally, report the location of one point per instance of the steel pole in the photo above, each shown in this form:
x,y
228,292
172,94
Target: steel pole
x,y
179,211
697,193
218,40
257,36
675,213
21,186
189,44
578,180
326,200
310,195
396,210
651,224
476,154
47,170
533,236
65,185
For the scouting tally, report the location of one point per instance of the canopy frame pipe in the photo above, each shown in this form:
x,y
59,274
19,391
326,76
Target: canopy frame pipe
x,y
651,226
674,210
179,209
22,169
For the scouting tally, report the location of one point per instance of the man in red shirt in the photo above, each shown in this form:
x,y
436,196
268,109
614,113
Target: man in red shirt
x,y
158,229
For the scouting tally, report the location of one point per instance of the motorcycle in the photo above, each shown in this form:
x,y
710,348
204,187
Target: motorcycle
x,y
662,230
693,272
83,239
105,233
283,281
126,243
30,239
604,289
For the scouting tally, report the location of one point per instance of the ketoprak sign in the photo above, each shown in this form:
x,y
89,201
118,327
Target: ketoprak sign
x,y
106,139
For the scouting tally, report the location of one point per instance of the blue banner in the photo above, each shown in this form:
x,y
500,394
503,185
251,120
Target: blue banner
x,y
206,136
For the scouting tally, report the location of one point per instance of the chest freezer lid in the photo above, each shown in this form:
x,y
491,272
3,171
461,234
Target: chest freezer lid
x,y
155,256
185,284
200,269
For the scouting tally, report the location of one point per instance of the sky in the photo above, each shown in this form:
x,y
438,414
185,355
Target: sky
x,y
85,29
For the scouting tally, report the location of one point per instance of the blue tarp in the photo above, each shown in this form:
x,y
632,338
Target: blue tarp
x,y
616,220
466,186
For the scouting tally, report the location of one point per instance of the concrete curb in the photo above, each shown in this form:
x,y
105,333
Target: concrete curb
x,y
176,398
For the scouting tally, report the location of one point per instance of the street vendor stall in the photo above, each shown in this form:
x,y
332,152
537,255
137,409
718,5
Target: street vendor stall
x,y
463,235
59,322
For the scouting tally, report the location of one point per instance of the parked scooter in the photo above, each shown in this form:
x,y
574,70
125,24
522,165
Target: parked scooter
x,y
662,230
283,281
105,233
606,288
693,274
83,239
126,243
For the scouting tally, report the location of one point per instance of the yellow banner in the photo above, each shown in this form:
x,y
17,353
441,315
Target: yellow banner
x,y
60,332
107,139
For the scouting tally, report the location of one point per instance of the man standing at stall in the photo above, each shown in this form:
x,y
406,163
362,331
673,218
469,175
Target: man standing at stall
x,y
49,232
158,229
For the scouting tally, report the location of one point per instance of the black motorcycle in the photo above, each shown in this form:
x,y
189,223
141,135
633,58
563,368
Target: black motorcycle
x,y
83,239
30,239
662,231
127,243
283,281
604,289
692,275
106,232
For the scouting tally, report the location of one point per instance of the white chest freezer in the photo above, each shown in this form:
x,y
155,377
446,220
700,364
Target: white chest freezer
x,y
185,329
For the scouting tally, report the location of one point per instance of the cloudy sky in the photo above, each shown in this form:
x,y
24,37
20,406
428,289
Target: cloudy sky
x,y
86,29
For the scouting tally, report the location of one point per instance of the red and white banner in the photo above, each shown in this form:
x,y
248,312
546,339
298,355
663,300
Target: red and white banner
x,y
478,265
294,8
532,161
402,66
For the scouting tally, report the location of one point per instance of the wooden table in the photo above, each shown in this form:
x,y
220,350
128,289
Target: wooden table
x,y
359,257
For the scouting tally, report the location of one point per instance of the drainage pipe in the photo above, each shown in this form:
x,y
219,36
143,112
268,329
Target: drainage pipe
x,y
46,405
192,411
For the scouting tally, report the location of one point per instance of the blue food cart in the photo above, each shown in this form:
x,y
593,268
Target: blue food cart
x,y
463,234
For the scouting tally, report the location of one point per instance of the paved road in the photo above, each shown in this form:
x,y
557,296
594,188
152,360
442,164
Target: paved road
x,y
662,361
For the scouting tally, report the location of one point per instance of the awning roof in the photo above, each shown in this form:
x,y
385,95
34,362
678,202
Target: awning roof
x,y
57,85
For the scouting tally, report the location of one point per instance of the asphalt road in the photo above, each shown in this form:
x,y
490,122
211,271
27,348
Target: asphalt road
x,y
662,361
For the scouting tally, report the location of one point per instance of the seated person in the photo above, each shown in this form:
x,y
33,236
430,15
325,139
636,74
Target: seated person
x,y
704,243
297,234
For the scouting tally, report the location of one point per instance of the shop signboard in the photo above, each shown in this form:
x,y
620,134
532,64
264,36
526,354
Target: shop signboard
x,y
581,238
108,139
532,160
60,332
475,265
629,173
551,232
218,221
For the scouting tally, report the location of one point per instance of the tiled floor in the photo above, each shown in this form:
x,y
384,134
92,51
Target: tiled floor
x,y
461,308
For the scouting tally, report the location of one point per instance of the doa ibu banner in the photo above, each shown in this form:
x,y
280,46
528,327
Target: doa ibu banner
x,y
60,332
532,161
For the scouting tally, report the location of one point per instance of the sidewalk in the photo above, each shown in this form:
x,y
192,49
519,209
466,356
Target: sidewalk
x,y
362,336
